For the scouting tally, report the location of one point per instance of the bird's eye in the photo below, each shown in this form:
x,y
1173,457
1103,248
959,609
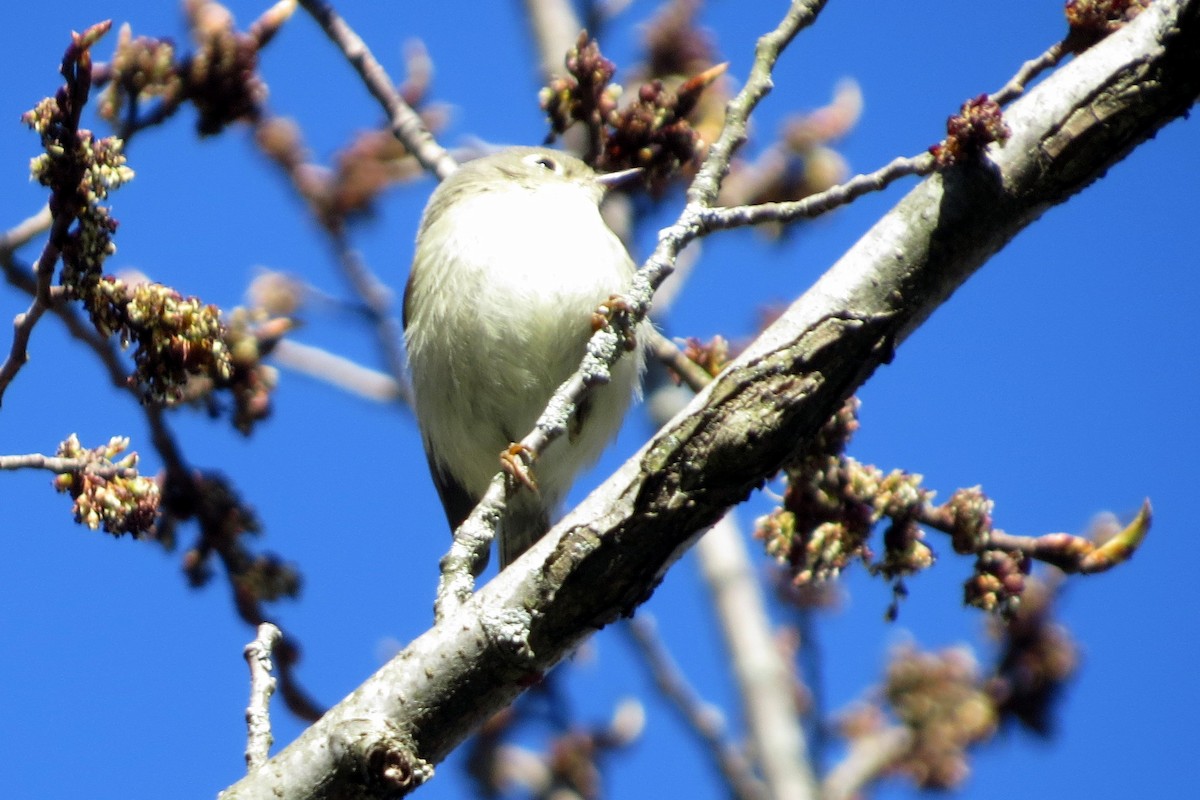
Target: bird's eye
x,y
546,162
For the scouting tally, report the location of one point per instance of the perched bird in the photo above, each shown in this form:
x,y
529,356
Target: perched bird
x,y
512,261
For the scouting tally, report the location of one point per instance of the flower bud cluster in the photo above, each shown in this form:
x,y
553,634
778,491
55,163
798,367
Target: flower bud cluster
x,y
117,498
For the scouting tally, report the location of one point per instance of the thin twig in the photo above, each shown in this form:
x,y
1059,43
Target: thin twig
x,y
1028,71
24,232
104,348
670,355
408,127
377,299
704,188
17,275
1078,554
870,755
699,717
24,323
406,124
60,465
262,685
337,370
816,204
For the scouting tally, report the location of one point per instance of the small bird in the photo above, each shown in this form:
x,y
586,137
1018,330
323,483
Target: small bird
x,y
512,261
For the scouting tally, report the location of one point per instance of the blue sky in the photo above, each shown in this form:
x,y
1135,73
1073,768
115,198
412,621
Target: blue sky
x,y
1063,378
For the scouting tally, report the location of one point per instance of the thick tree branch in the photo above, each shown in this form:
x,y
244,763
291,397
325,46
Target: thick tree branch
x,y
607,556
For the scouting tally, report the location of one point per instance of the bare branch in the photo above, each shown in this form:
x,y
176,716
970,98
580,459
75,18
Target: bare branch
x,y
60,465
377,299
701,718
24,232
817,204
869,756
555,27
42,300
1028,71
665,351
262,686
704,189
406,125
339,371
765,683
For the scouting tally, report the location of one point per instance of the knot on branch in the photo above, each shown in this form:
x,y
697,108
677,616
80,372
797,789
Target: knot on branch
x,y
379,754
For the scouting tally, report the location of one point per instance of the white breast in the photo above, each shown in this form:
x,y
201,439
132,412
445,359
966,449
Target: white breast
x,y
500,314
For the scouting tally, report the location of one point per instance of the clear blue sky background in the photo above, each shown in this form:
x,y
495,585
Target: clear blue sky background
x,y
1063,378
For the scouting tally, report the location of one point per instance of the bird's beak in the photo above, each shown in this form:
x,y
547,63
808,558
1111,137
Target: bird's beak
x,y
610,179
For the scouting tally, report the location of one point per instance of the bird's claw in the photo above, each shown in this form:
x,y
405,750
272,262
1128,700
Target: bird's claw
x,y
517,463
